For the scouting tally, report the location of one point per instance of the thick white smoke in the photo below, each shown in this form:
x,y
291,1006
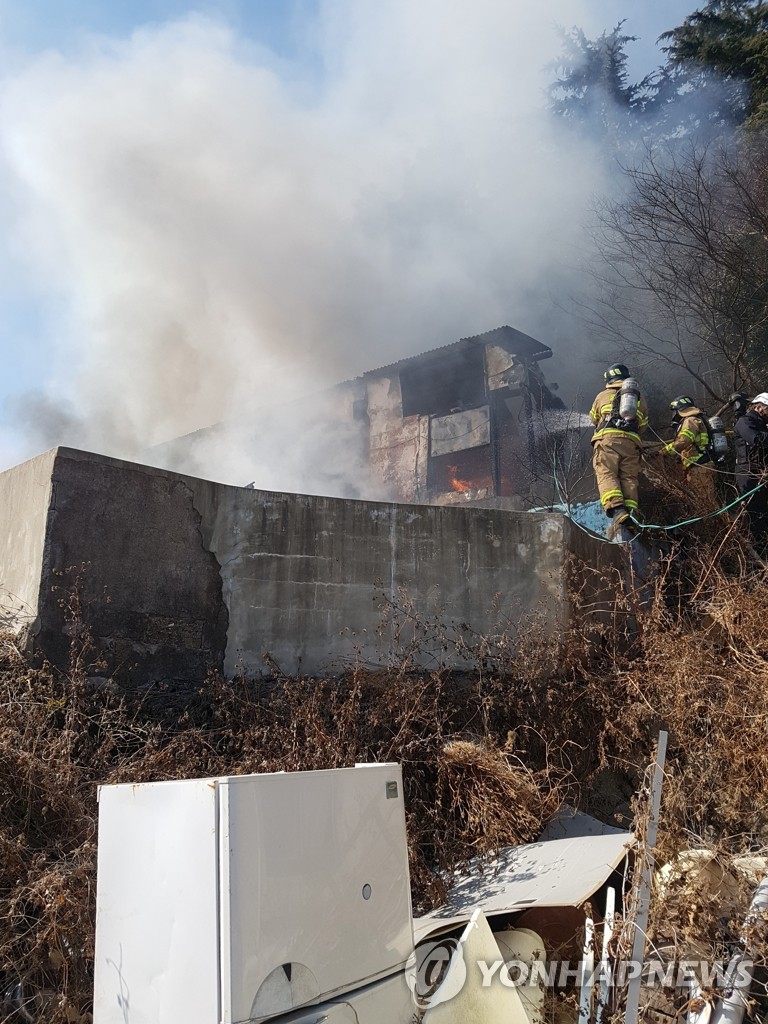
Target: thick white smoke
x,y
216,228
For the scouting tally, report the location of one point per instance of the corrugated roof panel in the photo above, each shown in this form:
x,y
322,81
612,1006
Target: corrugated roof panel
x,y
514,341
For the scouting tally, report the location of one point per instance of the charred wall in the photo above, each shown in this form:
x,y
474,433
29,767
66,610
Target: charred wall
x,y
467,421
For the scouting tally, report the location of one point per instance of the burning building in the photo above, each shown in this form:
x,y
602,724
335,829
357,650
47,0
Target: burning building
x,y
465,421
470,421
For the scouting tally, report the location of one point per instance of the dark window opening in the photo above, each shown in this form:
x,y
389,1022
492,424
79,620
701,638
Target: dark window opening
x,y
452,383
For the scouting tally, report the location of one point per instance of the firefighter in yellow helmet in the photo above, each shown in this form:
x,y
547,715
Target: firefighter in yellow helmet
x,y
692,448
620,417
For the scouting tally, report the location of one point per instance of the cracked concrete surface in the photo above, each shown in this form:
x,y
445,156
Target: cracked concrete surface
x,y
180,575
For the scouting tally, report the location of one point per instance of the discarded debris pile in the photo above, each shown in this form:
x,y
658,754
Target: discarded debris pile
x,y
487,759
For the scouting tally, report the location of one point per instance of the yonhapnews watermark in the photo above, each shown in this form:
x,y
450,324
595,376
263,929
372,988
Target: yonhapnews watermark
x,y
665,974
437,972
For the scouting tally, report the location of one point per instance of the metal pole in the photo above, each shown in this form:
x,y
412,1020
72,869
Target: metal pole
x,y
605,968
644,893
531,438
587,972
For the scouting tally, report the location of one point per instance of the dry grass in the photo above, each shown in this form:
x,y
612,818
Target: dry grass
x,y
487,755
59,738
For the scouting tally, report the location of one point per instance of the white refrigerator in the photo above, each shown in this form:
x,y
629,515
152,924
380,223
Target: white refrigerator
x,y
254,898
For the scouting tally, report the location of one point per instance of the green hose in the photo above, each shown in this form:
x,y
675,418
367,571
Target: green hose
x,y
697,519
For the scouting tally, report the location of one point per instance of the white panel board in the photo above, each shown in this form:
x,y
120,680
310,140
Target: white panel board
x,y
558,873
469,1000
459,431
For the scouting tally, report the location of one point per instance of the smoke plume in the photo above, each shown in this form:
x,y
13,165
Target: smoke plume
x,y
215,230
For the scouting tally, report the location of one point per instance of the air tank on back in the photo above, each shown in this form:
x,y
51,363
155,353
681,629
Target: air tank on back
x,y
629,396
718,436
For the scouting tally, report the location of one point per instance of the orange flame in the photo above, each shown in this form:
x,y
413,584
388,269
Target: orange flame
x,y
462,486
465,486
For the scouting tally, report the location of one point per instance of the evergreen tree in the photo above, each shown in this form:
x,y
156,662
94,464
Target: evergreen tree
x,y
729,37
715,73
593,88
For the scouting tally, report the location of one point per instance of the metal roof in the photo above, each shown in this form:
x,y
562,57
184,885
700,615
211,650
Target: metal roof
x,y
514,341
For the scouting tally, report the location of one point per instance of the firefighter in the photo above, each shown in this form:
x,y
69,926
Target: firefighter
x,y
620,417
751,443
692,447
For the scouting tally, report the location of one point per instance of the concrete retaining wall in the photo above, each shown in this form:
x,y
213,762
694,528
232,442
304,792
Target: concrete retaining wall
x,y
25,499
177,575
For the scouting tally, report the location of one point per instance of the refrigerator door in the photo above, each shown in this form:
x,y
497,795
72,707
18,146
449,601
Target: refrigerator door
x,y
386,1002
156,908
314,887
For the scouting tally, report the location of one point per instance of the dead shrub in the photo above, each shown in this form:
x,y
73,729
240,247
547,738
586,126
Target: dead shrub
x,y
490,798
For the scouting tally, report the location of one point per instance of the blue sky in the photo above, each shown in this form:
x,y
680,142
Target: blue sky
x,y
35,306
39,24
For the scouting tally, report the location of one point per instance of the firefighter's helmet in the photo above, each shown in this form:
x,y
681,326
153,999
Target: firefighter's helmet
x,y
617,371
681,402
